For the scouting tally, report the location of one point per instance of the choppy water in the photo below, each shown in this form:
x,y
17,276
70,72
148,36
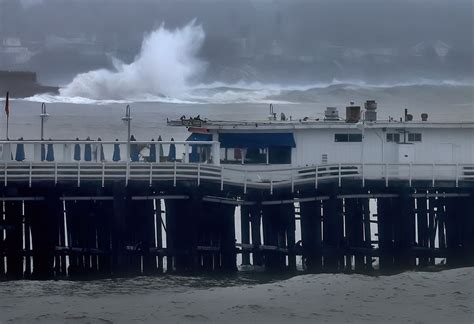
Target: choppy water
x,y
79,117
416,297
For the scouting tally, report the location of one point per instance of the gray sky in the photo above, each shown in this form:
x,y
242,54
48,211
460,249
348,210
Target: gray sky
x,y
262,40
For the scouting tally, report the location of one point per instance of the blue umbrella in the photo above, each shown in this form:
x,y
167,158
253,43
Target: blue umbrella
x,y
20,152
50,154
88,151
172,152
116,155
133,150
152,157
101,150
160,149
77,152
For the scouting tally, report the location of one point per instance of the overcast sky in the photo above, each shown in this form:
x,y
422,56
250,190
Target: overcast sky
x,y
345,34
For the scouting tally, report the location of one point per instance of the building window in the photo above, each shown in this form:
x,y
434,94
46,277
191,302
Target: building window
x,y
392,137
348,138
414,137
279,155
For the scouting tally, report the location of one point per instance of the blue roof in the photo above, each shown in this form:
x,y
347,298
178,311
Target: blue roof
x,y
199,137
256,140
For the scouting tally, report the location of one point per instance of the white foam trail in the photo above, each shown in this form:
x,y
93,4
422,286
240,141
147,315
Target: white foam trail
x,y
166,63
46,98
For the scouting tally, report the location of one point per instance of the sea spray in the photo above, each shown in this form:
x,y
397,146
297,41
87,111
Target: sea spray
x,y
166,63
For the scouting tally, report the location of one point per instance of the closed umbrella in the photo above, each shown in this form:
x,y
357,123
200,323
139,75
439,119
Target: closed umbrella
x,y
100,150
50,153
88,151
116,155
152,156
160,149
172,152
77,151
133,150
20,151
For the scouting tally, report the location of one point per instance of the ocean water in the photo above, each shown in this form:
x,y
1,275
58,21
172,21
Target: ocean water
x,y
72,117
410,297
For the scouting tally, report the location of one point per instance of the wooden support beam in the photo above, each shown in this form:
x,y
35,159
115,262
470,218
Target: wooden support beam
x,y
365,209
104,228
404,231
119,230
227,233
354,232
44,217
333,234
270,219
422,227
14,239
159,233
311,235
256,224
289,228
245,232
385,217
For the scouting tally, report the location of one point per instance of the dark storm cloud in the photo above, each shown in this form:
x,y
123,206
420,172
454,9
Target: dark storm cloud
x,y
304,40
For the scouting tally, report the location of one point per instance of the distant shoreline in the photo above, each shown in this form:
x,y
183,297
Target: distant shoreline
x,y
23,84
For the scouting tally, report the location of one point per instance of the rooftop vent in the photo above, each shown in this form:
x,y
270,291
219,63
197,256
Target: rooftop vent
x,y
352,113
424,117
370,110
331,113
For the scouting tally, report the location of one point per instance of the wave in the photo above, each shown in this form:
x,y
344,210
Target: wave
x,y
264,93
47,98
166,63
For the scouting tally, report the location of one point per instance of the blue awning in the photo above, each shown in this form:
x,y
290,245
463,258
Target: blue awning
x,y
256,140
199,137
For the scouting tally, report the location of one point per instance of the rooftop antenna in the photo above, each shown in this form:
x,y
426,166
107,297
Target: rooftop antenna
x,y
271,115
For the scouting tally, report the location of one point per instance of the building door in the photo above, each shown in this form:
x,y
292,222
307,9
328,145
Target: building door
x,y
406,153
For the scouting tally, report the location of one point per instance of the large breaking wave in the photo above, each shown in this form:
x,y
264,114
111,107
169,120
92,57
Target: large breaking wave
x,y
166,63
325,93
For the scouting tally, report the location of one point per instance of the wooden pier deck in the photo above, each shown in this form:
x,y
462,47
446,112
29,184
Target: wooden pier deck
x,y
99,219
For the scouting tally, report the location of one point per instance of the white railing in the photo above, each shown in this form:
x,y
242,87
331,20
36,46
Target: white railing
x,y
153,173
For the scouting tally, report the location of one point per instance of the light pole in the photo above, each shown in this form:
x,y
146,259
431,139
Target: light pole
x,y
44,116
127,119
361,127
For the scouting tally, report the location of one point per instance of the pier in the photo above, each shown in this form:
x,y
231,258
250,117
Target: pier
x,y
75,217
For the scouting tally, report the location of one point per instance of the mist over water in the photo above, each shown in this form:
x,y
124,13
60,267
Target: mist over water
x,y
164,67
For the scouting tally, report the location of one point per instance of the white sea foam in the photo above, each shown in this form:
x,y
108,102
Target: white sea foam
x,y
166,63
244,92
48,98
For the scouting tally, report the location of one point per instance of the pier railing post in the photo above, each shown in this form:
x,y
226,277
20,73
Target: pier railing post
x,y
216,153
